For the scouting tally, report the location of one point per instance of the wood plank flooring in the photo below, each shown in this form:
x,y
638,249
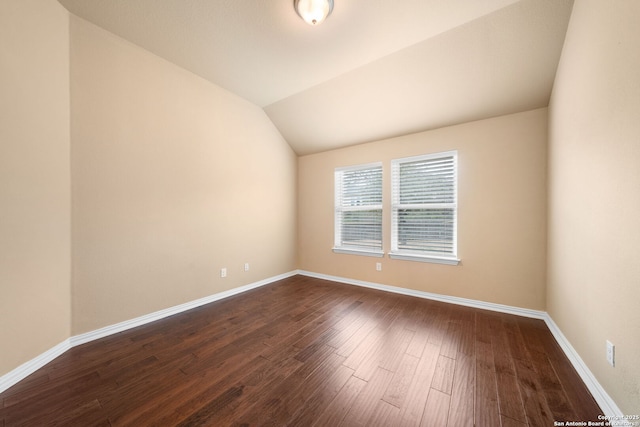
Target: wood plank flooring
x,y
308,352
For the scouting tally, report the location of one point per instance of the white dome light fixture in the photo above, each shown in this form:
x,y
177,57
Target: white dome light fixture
x,y
313,11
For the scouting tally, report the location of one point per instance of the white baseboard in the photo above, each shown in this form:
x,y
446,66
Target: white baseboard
x,y
524,312
608,406
161,314
605,401
26,369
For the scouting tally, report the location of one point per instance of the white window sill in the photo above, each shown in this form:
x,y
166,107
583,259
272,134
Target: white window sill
x,y
363,252
424,258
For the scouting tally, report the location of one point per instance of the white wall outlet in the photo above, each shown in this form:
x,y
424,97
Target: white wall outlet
x,y
611,353
223,272
378,266
246,266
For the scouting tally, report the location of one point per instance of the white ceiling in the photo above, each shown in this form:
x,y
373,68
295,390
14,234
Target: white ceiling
x,y
374,69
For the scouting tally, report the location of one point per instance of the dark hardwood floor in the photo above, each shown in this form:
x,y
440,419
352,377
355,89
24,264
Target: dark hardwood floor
x,y
307,352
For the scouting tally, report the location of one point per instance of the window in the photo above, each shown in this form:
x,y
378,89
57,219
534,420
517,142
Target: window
x,y
358,210
424,208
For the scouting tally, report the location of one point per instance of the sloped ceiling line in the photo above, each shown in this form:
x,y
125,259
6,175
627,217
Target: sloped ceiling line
x,y
375,69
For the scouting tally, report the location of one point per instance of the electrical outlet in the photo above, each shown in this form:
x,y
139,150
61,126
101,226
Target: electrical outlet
x,y
378,266
611,353
246,266
223,272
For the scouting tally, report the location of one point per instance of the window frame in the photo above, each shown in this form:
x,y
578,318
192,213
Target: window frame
x,y
418,255
340,208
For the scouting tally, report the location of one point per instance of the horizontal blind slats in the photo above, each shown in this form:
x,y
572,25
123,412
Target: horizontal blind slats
x,y
360,187
359,208
424,205
426,181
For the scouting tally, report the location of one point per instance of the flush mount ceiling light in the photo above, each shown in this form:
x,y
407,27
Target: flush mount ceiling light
x,y
313,11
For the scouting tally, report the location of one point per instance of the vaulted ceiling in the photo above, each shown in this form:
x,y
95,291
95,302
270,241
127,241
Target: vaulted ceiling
x,y
374,69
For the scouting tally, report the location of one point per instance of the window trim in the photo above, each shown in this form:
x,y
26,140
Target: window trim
x,y
355,250
409,255
363,252
404,256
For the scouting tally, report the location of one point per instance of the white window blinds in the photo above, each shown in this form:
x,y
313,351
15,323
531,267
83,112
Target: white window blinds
x,y
358,209
424,206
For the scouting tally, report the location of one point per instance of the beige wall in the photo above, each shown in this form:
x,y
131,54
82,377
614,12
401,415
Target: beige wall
x,y
502,211
594,193
173,179
35,206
